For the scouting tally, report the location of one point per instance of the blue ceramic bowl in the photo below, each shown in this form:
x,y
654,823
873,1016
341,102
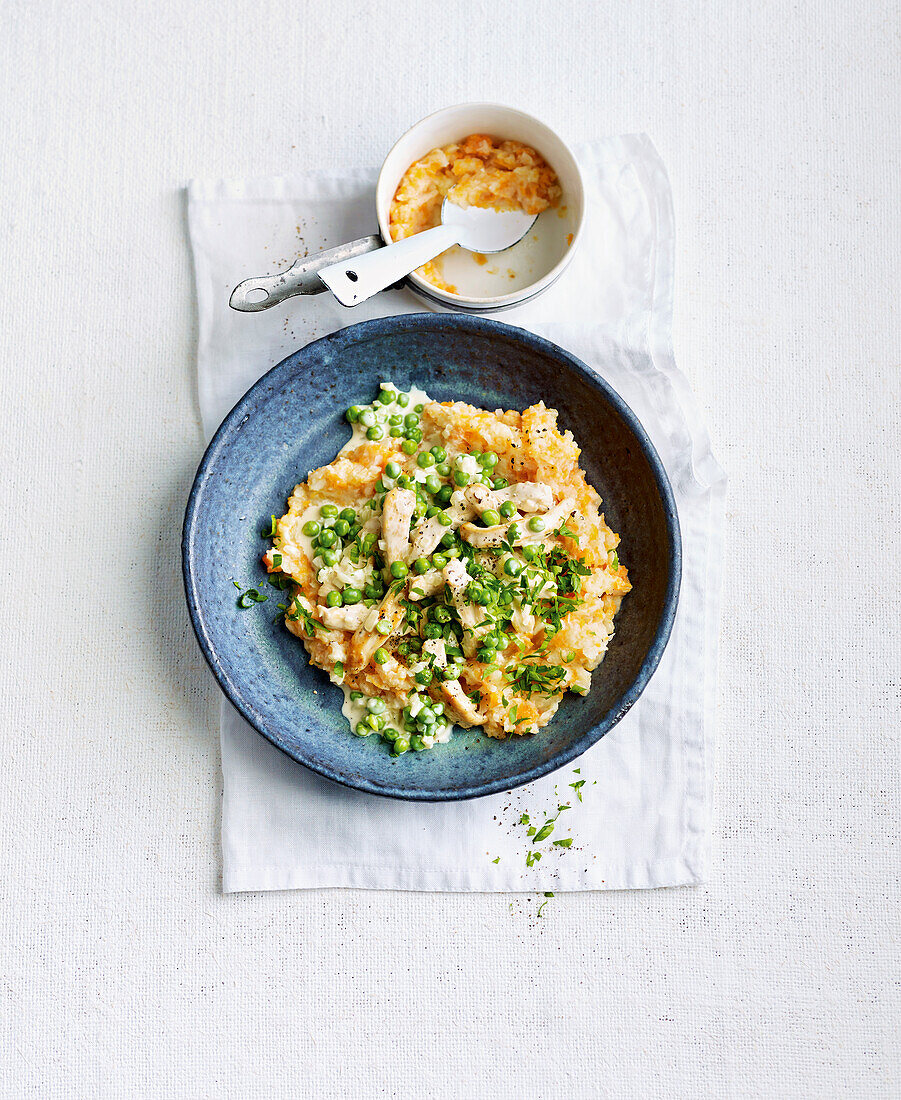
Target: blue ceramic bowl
x,y
292,421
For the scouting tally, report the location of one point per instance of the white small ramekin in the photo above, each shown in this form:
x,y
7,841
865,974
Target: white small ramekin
x,y
452,124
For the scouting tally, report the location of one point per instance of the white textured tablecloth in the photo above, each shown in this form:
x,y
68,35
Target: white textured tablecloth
x,y
643,817
124,970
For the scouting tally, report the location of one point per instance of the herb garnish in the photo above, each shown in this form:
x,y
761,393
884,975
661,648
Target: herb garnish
x,y
300,614
250,597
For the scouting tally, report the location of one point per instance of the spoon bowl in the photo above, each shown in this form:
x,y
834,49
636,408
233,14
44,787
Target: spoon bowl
x,y
473,228
485,230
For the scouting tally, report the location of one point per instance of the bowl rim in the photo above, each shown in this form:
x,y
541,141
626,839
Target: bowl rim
x,y
397,325
498,302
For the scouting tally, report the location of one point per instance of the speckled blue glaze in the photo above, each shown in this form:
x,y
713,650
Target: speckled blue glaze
x,y
292,420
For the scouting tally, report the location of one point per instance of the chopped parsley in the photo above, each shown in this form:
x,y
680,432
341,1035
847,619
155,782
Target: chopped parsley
x,y
301,615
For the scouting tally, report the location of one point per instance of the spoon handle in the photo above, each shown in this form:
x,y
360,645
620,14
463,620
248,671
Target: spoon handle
x,y
253,295
352,283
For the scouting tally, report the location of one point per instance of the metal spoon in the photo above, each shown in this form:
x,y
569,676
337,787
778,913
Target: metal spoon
x,y
473,228
254,295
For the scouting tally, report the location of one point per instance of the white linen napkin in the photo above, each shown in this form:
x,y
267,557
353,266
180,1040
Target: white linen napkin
x,y
643,816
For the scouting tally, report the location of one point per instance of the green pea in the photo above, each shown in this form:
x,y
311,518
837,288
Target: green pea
x,y
363,729
444,494
390,734
442,615
461,478
452,552
417,743
392,469
439,561
445,519
398,570
486,655
375,432
328,538
426,717
432,630
513,532
380,486
386,397
401,745
329,558
411,420
479,595
380,656
333,599
499,483
491,518
512,567
311,528
367,418
351,595
432,511
443,469
394,420
536,524
409,446
419,408
414,434
448,538
395,432
403,399
433,483
382,628
375,705
439,453
507,509
348,514
369,541
353,414
530,553
404,481
342,527
421,565
425,459
488,460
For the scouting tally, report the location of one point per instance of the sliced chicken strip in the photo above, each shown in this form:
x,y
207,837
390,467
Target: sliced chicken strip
x,y
365,642
528,496
553,519
344,618
396,515
436,647
429,584
486,537
430,532
460,707
471,614
481,498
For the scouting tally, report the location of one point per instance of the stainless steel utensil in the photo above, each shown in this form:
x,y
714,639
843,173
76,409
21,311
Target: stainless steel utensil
x,y
254,295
